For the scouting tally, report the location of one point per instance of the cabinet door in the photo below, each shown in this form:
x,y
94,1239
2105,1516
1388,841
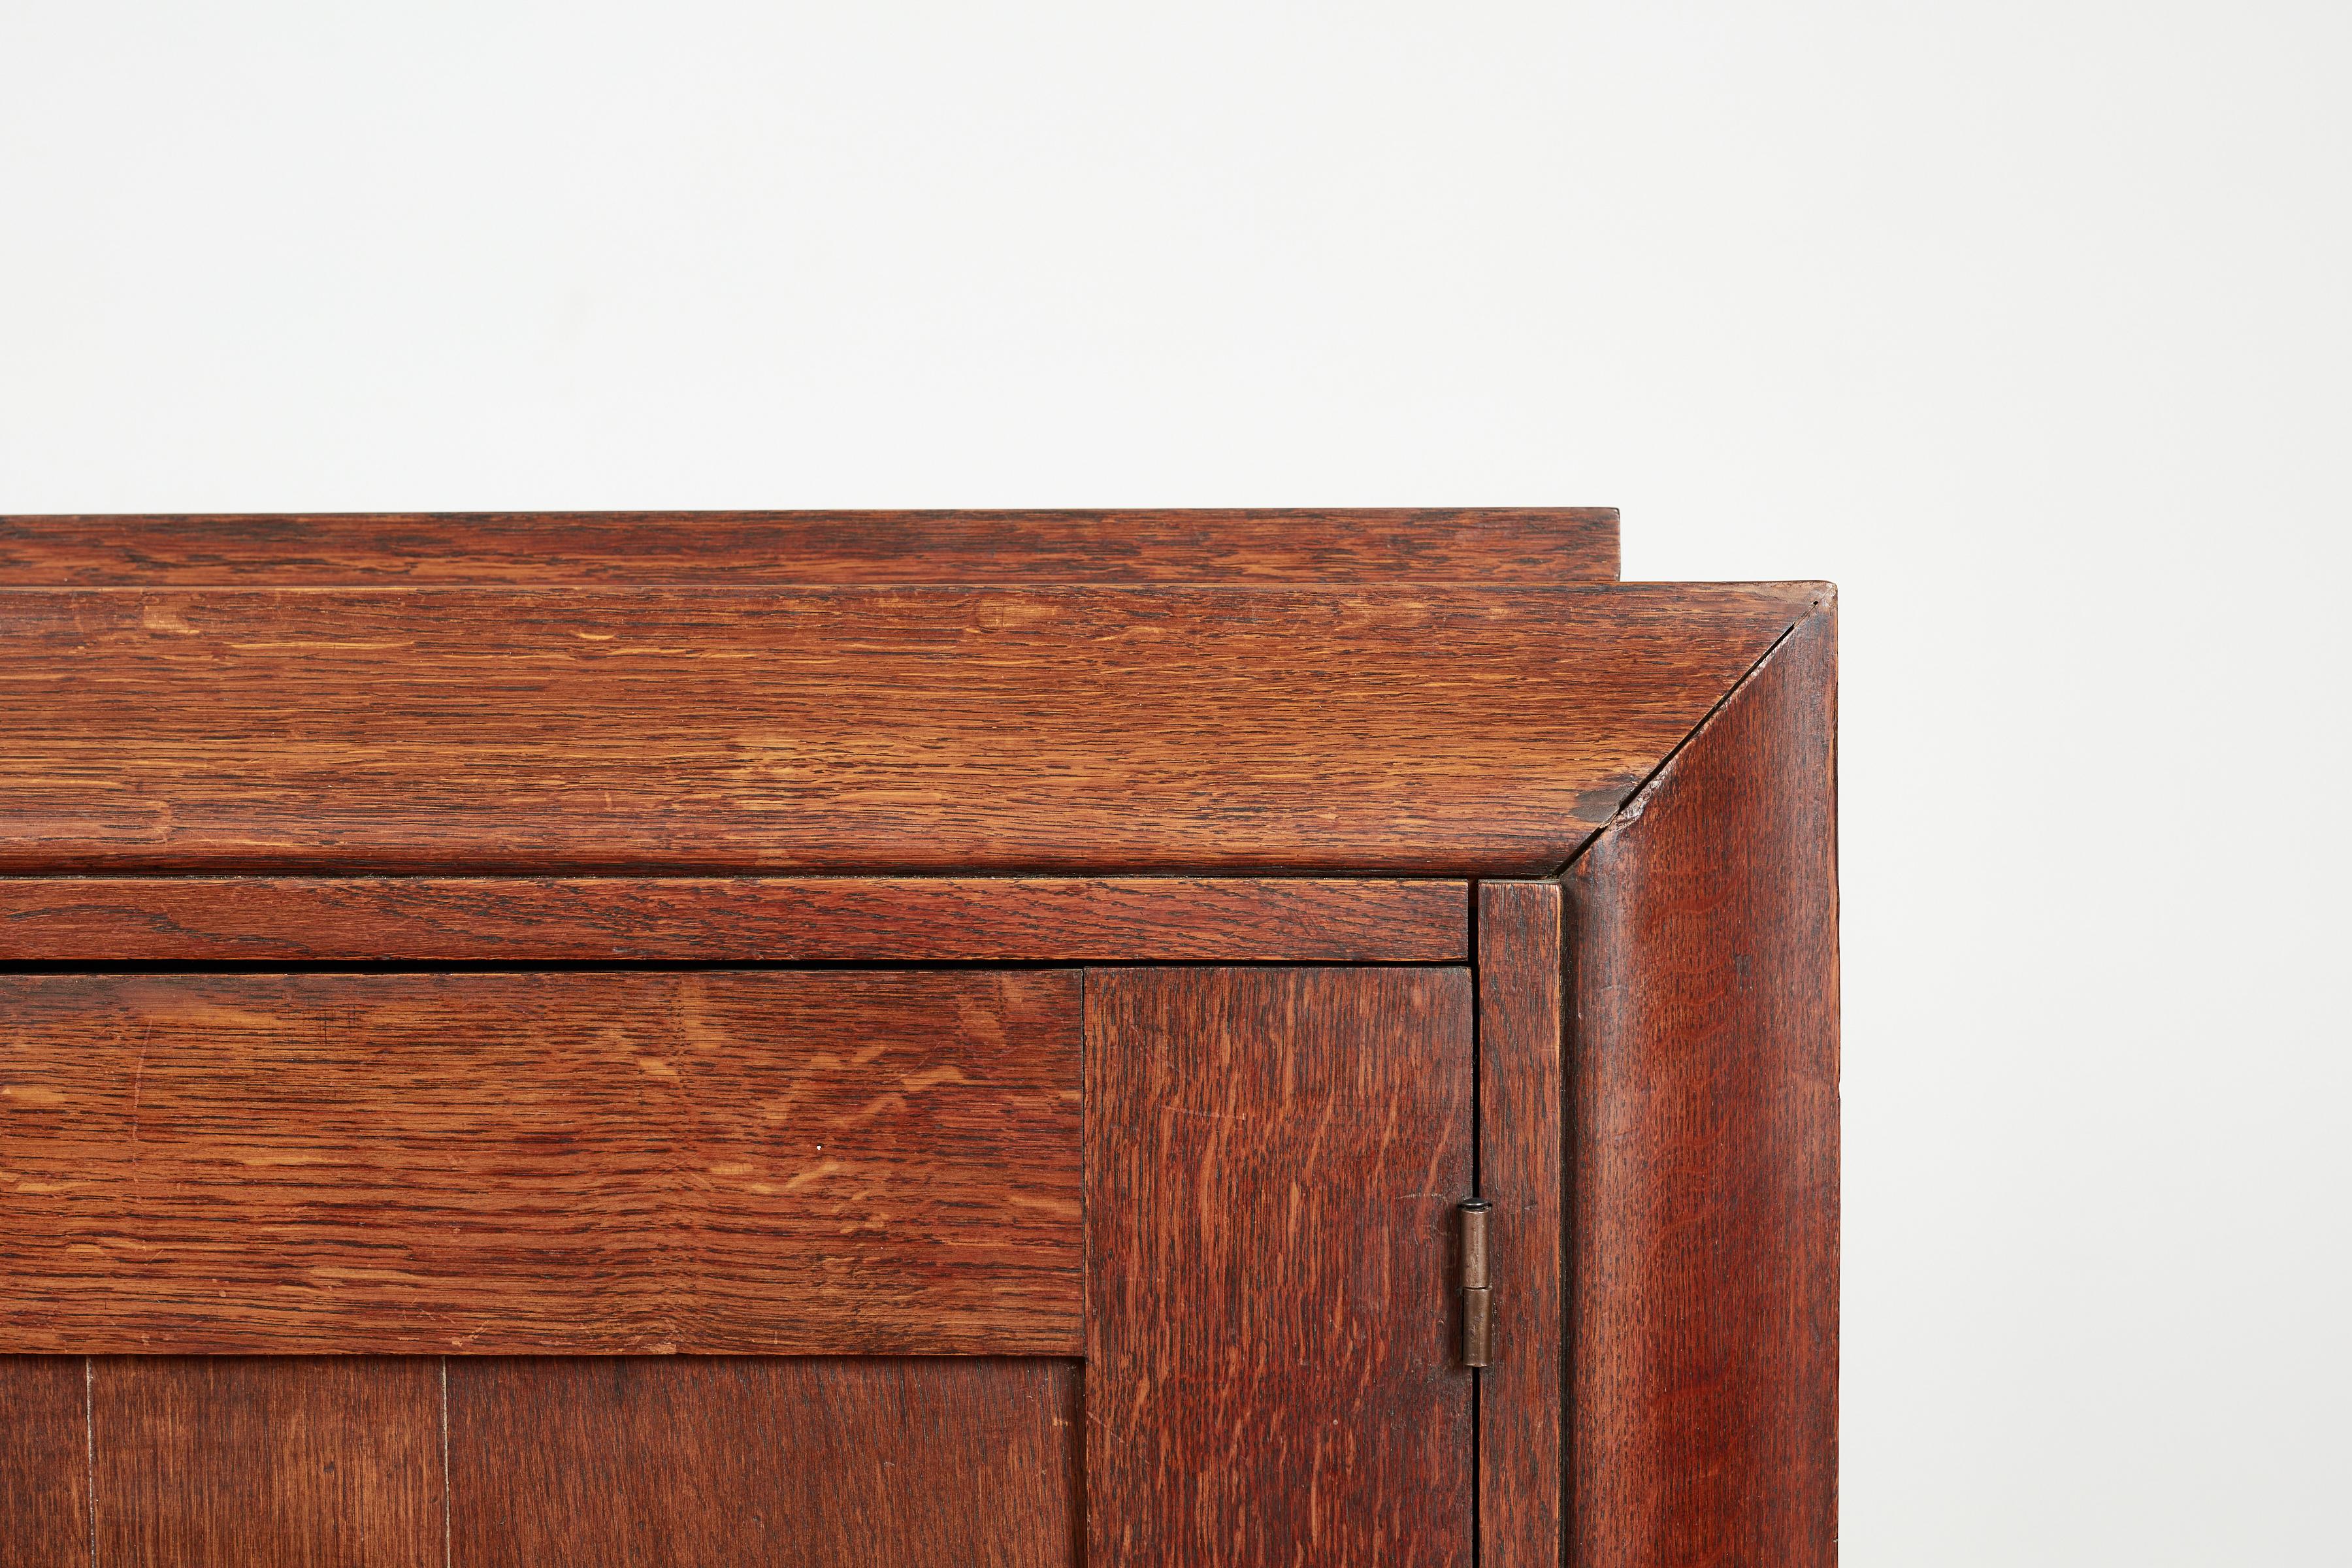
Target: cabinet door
x,y
718,1267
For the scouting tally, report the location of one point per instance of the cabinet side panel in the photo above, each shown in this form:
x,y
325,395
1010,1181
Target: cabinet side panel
x,y
269,1462
44,1462
1520,1107
1702,939
796,1462
1273,1160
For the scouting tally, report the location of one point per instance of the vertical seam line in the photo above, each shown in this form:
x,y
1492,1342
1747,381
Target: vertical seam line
x,y
1081,1505
89,1445
1477,1188
446,1560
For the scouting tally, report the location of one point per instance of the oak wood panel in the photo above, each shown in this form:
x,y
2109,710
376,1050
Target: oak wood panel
x,y
1361,730
1704,1088
1540,545
1522,1098
521,920
268,1462
1273,1160
636,1161
44,1462
771,1460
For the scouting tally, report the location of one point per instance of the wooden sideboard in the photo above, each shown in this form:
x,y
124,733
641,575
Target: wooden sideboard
x,y
1207,1037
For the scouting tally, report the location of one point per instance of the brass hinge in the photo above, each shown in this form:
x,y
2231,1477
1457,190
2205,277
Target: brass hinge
x,y
1477,1298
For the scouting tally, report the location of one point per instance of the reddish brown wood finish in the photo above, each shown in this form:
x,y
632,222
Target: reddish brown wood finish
x,y
740,1161
1273,1160
267,1462
1357,730
1540,545
1704,1095
710,919
44,1462
574,739
1521,1097
787,1461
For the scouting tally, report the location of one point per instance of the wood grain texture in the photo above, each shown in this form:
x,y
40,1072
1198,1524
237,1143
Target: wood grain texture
x,y
44,1463
1534,546
1366,730
745,1160
694,1462
268,1462
1273,1160
1522,1098
1704,981
710,920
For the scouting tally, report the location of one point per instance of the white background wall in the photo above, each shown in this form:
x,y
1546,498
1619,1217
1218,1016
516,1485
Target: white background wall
x,y
2027,322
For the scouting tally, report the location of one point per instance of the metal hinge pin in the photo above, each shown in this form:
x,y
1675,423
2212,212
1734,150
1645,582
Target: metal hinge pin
x,y
1477,1297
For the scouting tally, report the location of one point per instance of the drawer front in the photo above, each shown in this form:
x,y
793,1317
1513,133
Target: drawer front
x,y
563,1162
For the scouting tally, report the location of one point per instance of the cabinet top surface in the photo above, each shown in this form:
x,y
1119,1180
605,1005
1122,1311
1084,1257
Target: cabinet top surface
x,y
1426,694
